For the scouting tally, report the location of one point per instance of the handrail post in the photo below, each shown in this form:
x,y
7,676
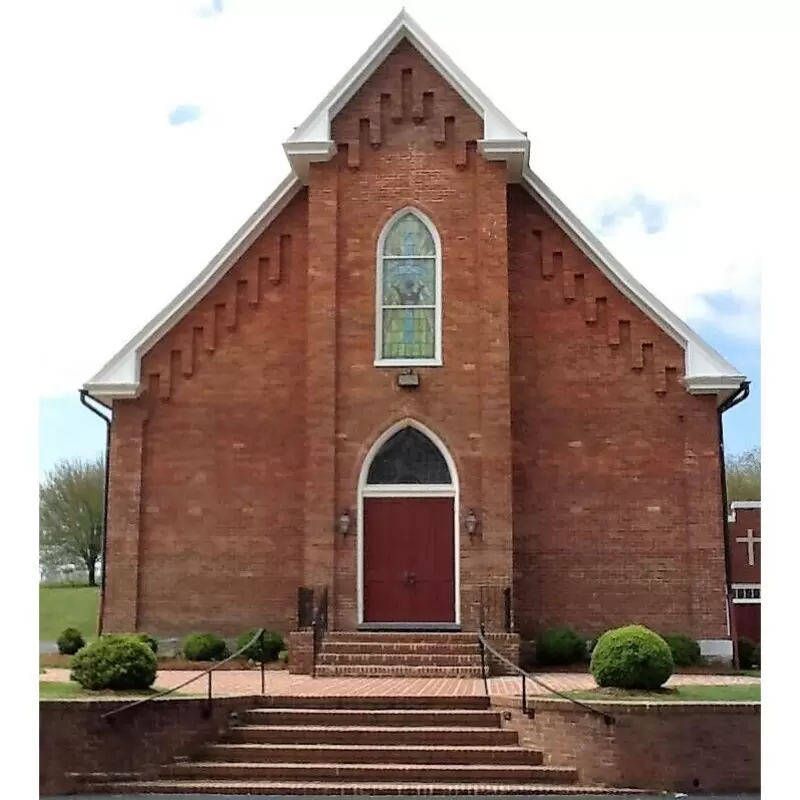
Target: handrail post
x,y
483,662
261,649
209,692
524,697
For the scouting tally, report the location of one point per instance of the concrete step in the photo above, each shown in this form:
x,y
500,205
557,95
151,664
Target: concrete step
x,y
322,788
397,702
348,772
426,718
395,671
367,754
380,657
370,735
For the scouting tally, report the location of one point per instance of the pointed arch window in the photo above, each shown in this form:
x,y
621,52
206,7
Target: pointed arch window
x,y
408,329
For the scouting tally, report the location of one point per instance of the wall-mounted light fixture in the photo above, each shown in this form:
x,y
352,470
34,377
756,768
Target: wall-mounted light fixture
x,y
344,522
408,379
471,523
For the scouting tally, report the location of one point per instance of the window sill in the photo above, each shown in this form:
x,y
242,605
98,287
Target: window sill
x,y
407,362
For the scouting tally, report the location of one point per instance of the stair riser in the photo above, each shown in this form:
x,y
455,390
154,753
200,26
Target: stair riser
x,y
270,788
410,703
396,755
365,772
444,736
402,638
400,660
352,671
400,648
417,719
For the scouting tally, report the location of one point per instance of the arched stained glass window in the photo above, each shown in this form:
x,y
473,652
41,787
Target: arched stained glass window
x,y
409,456
409,288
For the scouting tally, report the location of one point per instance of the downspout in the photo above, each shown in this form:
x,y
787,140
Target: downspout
x,y
741,394
107,419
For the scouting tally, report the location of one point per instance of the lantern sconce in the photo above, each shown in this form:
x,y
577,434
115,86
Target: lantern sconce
x,y
344,522
471,523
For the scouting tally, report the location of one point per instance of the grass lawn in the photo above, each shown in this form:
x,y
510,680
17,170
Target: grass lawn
x,y
687,694
57,690
68,607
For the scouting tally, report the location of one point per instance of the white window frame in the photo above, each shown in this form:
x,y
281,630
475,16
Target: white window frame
x,y
738,593
436,361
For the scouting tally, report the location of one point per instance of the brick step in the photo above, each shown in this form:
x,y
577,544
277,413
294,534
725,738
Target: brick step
x,y
398,702
323,788
368,754
412,648
338,718
395,671
369,735
401,637
379,658
347,772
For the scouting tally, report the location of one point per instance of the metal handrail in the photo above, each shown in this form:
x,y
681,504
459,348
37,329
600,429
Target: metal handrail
x,y
319,627
258,636
484,645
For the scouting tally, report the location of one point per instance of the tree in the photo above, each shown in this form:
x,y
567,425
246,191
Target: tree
x,y
71,516
743,475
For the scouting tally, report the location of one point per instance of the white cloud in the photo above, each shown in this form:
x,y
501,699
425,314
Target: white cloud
x,y
126,209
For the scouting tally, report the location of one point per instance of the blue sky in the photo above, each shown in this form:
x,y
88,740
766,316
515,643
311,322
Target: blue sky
x,y
159,160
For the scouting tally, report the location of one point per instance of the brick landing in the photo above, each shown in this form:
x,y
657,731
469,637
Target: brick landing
x,y
248,682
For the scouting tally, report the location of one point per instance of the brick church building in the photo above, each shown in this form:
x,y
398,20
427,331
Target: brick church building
x,y
415,378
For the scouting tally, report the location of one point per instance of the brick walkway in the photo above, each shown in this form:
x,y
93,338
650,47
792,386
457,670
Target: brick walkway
x,y
230,682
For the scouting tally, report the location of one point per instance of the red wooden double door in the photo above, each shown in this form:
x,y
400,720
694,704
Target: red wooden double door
x,y
409,560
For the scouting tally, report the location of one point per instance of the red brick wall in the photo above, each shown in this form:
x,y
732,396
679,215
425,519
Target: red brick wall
x,y
675,747
207,466
617,504
407,138
740,521
227,475
73,737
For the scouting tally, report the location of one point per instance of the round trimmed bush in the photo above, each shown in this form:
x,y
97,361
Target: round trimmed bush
x,y
631,657
747,653
685,651
261,650
204,647
116,662
149,640
559,647
70,641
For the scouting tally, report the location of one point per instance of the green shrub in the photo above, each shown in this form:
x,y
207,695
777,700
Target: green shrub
x,y
560,646
757,656
747,653
70,641
204,647
259,651
283,656
685,651
631,657
149,640
115,662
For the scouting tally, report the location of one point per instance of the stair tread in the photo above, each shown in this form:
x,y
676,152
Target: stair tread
x,y
343,765
376,728
383,711
471,748
364,787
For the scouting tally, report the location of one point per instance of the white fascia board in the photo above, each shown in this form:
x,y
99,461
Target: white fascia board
x,y
743,505
706,371
502,139
120,377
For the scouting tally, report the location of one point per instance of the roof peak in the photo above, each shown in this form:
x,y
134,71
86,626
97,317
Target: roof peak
x,y
311,140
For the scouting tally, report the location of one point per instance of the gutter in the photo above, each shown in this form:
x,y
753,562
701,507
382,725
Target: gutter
x,y
742,393
107,419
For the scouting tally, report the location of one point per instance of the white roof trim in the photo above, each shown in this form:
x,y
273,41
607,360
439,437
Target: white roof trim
x,y
311,141
120,377
707,372
743,505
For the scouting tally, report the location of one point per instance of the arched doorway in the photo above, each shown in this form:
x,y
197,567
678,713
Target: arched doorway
x,y
408,549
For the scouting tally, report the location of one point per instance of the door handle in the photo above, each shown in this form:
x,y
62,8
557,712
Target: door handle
x,y
409,578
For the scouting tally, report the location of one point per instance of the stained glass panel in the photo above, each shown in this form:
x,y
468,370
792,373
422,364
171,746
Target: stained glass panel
x,y
409,282
409,237
409,457
408,333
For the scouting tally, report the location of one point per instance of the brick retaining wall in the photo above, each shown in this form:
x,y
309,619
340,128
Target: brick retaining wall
x,y
686,747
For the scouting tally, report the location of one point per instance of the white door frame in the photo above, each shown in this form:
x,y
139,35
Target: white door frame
x,y
409,490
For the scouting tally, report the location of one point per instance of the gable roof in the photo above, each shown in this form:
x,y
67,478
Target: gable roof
x,y
706,371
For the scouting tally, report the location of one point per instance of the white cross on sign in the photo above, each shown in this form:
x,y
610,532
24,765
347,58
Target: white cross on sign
x,y
750,540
